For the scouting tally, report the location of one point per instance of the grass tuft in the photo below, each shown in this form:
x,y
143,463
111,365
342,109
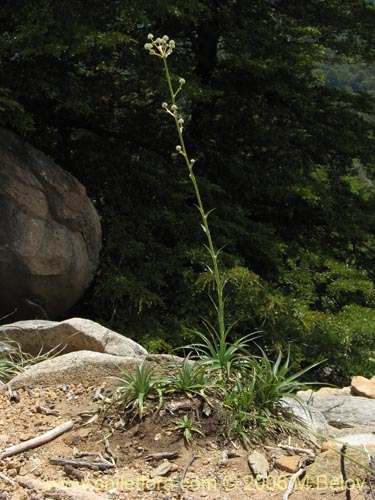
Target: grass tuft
x,y
14,361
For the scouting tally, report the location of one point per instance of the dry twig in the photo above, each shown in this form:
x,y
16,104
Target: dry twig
x,y
37,441
189,462
73,473
292,482
348,495
13,395
46,411
108,450
102,465
371,461
98,393
296,449
162,454
82,454
7,479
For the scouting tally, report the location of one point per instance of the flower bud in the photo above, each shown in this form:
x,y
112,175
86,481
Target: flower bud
x,y
180,121
182,81
172,44
150,36
174,107
164,105
148,46
166,38
178,149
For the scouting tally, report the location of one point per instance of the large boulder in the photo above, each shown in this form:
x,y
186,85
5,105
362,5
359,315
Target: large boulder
x,y
85,367
75,334
88,368
50,234
344,411
334,415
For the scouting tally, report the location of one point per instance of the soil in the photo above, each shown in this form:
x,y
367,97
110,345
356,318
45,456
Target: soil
x,y
196,470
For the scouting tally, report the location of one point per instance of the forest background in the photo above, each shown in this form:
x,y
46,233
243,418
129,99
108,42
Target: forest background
x,y
279,108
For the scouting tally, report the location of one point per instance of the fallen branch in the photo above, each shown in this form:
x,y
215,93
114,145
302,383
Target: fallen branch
x,y
98,393
37,441
348,495
371,461
179,406
228,454
73,473
108,450
189,462
13,395
296,449
46,411
102,465
162,454
292,482
7,479
89,416
82,454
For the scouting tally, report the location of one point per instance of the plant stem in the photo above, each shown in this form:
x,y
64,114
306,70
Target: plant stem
x,y
215,271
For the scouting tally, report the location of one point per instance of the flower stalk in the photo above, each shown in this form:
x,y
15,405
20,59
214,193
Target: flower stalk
x,y
163,47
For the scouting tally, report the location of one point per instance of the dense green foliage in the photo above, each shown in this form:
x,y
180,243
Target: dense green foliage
x,y
285,157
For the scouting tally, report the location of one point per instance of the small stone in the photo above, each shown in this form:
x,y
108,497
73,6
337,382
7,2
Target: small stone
x,y
258,464
362,386
162,470
328,445
288,464
12,472
76,439
25,437
12,465
73,473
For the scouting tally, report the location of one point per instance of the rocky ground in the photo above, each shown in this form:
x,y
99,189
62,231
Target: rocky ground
x,y
210,468
107,455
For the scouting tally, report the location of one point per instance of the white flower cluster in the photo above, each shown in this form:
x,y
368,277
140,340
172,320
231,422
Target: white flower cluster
x,y
162,47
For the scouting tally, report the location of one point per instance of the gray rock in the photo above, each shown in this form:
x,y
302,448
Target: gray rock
x,y
86,367
162,470
259,465
50,234
365,439
329,415
344,410
308,416
73,334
